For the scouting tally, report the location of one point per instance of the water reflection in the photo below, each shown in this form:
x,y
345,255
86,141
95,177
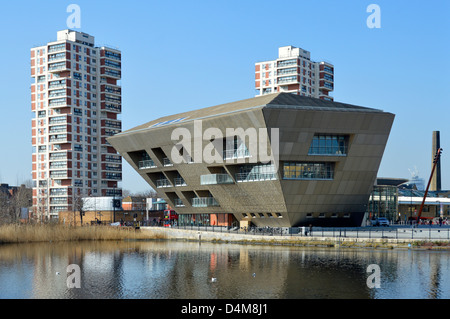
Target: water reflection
x,y
163,269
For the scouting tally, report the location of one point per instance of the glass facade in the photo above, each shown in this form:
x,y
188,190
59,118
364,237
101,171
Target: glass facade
x,y
213,219
324,144
308,171
383,202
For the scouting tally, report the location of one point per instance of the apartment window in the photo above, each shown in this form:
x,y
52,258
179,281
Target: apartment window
x,y
328,144
308,171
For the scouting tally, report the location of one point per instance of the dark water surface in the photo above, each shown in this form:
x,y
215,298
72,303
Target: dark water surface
x,y
181,270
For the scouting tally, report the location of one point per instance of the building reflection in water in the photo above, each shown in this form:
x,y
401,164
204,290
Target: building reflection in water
x,y
162,270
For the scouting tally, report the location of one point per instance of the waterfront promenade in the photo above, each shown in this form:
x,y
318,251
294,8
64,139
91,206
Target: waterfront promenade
x,y
393,236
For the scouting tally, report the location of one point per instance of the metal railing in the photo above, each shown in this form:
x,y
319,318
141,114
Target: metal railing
x,y
424,233
179,181
160,183
215,179
236,153
255,177
178,202
167,162
146,164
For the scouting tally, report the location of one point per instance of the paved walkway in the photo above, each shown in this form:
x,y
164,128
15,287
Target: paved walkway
x,y
359,234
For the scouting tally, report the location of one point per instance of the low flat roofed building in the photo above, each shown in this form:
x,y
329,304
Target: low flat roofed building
x,y
316,164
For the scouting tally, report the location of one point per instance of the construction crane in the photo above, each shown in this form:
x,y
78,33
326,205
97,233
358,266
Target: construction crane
x,y
435,161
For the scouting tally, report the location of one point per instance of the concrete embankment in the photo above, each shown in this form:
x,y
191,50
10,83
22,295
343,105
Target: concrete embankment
x,y
295,240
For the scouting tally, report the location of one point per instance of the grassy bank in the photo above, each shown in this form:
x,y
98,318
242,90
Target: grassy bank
x,y
60,233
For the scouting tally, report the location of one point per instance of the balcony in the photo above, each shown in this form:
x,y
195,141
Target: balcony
x,y
59,201
113,192
57,47
113,108
287,79
162,183
326,85
113,159
112,64
286,63
167,162
147,164
62,138
58,174
236,153
57,84
114,176
287,71
59,192
58,129
179,181
327,69
112,99
57,57
57,93
113,167
58,120
178,202
255,177
57,102
58,67
58,156
204,202
113,89
113,124
58,165
216,179
112,73
112,55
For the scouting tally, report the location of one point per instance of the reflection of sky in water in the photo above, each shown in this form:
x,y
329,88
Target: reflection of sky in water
x,y
161,270
16,279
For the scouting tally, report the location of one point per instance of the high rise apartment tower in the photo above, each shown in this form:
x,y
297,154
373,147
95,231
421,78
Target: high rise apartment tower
x,y
76,101
294,72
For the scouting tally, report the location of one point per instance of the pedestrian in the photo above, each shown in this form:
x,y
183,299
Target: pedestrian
x,y
310,229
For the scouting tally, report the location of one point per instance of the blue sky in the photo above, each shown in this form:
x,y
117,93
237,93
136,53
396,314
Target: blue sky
x,y
183,55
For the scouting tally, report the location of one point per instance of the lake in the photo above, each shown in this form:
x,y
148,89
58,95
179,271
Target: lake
x,y
185,270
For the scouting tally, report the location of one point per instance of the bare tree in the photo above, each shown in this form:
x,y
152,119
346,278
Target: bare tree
x,y
146,194
78,206
4,207
12,201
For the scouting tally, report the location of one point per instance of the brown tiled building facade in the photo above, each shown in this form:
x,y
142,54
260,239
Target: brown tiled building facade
x,y
324,158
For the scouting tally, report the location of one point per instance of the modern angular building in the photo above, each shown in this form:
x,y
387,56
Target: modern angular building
x,y
76,103
275,160
294,72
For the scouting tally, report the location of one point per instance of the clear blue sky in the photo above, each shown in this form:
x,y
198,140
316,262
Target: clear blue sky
x,y
183,55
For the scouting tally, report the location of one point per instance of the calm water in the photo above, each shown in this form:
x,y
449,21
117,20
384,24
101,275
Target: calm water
x,y
154,270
